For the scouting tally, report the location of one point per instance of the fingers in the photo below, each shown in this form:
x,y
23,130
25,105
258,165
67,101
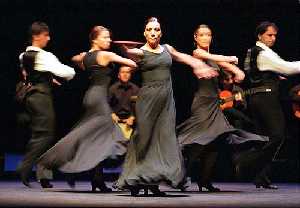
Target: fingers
x,y
207,75
54,81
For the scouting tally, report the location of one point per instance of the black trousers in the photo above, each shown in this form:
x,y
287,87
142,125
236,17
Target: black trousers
x,y
41,110
204,158
269,120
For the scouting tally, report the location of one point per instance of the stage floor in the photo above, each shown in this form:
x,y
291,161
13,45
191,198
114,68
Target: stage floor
x,y
14,194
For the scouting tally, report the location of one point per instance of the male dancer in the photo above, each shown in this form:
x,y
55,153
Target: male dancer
x,y
38,67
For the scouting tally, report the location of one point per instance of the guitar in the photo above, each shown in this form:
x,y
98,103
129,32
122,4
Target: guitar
x,y
227,97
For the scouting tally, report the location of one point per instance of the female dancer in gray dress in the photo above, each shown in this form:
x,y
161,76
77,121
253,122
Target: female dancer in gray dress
x,y
153,154
95,137
207,126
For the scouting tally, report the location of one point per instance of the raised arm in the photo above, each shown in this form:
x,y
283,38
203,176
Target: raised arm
x,y
47,61
223,61
132,53
268,61
105,57
202,54
200,69
239,75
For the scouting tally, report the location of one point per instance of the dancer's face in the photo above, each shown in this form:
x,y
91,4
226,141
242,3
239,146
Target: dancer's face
x,y
153,34
203,38
41,40
269,37
103,40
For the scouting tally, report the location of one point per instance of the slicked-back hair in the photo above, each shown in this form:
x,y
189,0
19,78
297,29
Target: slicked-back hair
x,y
95,31
263,26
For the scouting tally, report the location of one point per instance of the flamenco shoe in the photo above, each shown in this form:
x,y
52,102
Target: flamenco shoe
x,y
101,186
265,186
45,183
25,180
208,186
264,183
71,181
185,184
24,176
134,190
156,192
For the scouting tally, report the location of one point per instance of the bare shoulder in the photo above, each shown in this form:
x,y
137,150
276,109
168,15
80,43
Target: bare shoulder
x,y
169,47
198,52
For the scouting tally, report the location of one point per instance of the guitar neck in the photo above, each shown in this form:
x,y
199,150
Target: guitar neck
x,y
250,91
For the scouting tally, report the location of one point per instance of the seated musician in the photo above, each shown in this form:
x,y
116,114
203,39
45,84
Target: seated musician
x,y
121,99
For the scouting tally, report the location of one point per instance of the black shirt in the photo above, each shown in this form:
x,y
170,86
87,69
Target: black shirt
x,y
119,98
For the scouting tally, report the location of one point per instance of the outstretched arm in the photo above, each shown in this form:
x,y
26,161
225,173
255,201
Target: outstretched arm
x,y
112,57
224,61
132,53
200,69
202,54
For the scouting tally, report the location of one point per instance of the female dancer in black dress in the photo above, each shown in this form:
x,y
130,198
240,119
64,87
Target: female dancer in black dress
x,y
95,137
202,133
153,154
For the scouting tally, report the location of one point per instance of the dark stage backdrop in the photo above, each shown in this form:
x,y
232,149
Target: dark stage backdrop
x,y
233,23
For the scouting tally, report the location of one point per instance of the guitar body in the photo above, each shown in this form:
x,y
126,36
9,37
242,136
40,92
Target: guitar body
x,y
223,95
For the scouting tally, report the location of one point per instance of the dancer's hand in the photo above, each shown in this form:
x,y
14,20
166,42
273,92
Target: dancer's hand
x,y
233,59
115,118
206,72
78,59
54,81
239,76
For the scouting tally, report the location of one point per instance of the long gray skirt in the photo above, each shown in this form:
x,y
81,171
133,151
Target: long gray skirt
x,y
154,154
93,139
208,122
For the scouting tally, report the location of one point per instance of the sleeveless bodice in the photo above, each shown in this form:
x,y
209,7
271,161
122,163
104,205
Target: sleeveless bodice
x,y
100,75
156,66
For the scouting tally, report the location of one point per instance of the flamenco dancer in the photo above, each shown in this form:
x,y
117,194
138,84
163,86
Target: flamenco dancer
x,y
95,137
207,129
154,154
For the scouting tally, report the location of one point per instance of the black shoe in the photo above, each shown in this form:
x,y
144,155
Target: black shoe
x,y
135,190
184,184
101,186
265,186
156,192
146,191
208,186
71,181
45,183
24,176
264,183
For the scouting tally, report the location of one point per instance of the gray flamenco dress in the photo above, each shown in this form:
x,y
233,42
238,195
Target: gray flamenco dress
x,y
95,137
154,154
207,128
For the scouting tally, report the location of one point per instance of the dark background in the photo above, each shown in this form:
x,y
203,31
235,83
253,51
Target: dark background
x,y
233,23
